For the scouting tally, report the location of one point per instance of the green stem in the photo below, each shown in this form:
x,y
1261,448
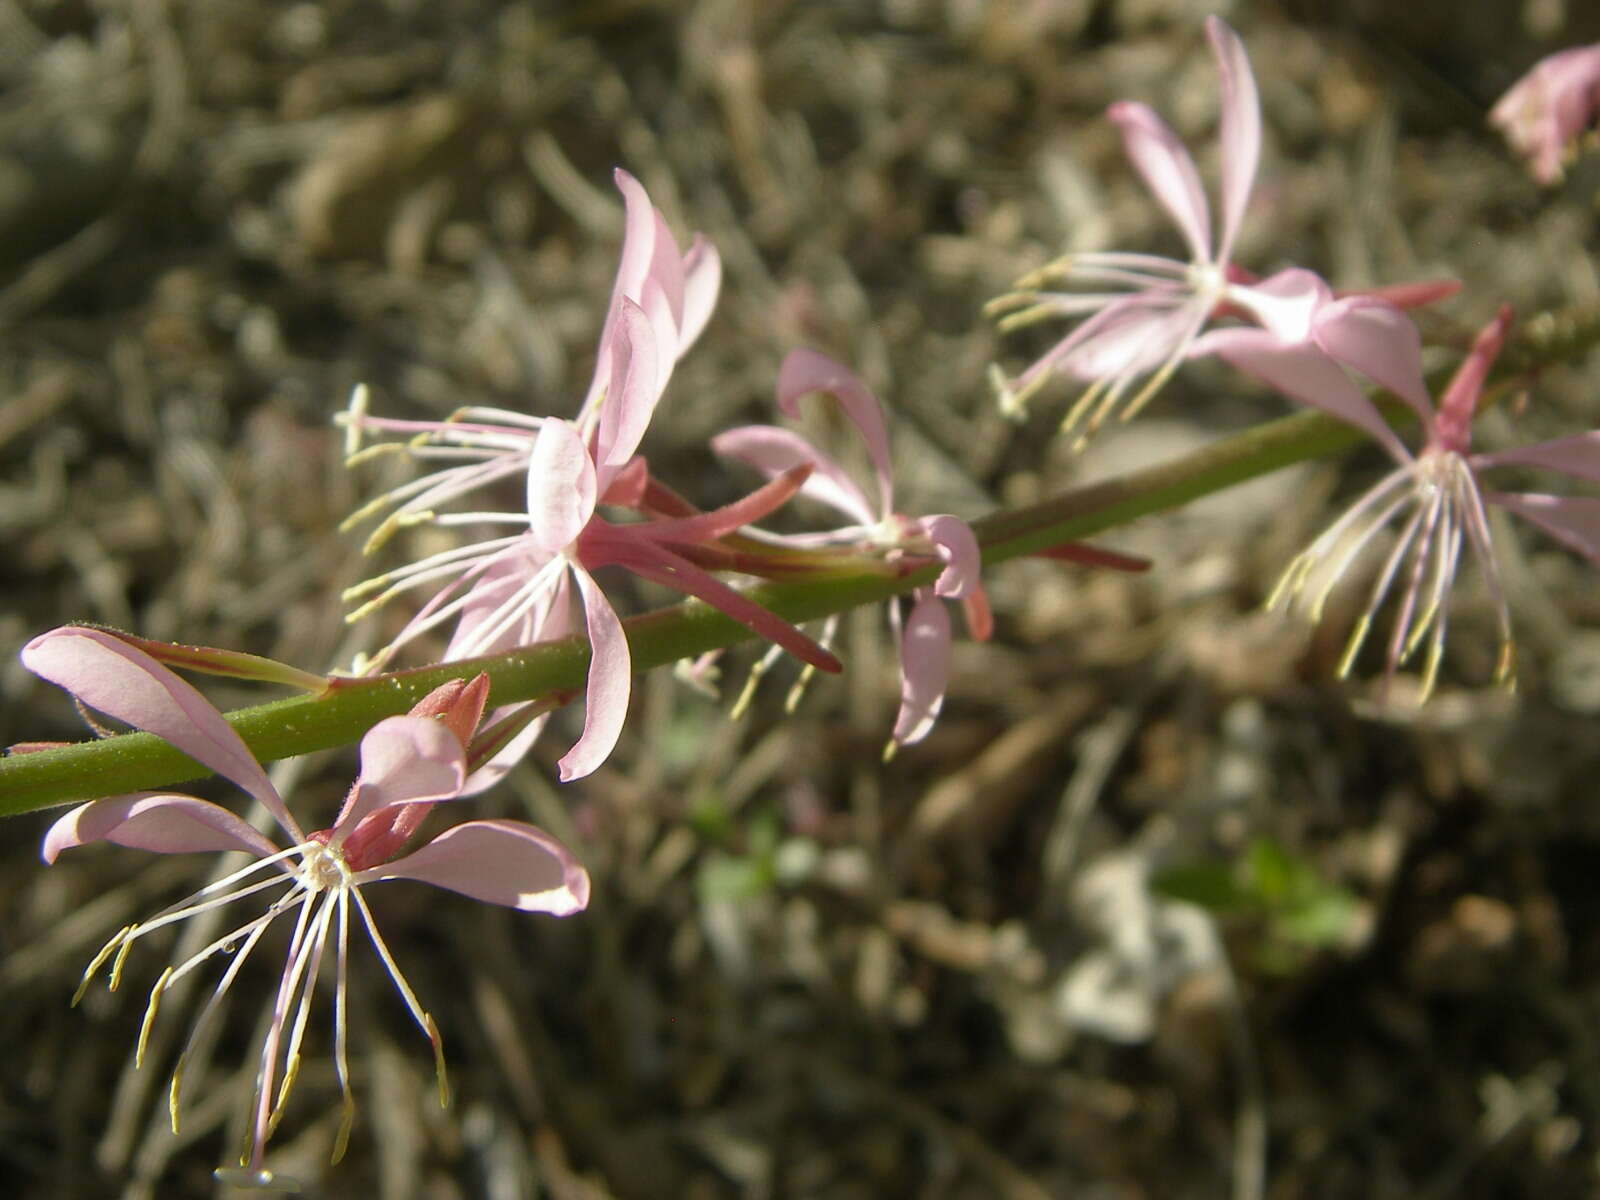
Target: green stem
x,y
343,713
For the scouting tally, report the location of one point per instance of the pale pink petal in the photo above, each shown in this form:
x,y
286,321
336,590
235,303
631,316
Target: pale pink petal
x,y
639,230
1241,128
702,279
1382,343
1574,521
404,760
561,487
1130,338
497,862
805,371
121,681
1287,303
773,451
165,824
609,686
1578,456
633,267
958,546
666,276
637,379
1168,171
924,668
1303,373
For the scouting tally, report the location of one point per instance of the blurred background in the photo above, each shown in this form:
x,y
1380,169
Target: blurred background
x,y
1159,910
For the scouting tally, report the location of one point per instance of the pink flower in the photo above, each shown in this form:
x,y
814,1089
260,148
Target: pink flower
x,y
535,583
675,293
1436,494
1145,310
1544,113
1143,314
408,764
924,631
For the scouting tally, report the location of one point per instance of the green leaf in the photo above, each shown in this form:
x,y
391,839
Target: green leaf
x,y
1212,886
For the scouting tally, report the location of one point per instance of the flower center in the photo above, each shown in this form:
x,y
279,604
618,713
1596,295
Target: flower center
x,y
322,868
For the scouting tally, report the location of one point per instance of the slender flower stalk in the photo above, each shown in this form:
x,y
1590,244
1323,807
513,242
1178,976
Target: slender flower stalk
x,y
1546,112
408,764
1436,497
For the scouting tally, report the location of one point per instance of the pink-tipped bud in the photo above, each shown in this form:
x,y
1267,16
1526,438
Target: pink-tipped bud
x,y
1452,430
457,705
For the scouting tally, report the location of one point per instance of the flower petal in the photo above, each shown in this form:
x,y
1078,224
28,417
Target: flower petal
x,y
497,862
958,546
404,760
121,681
1382,343
1302,373
610,683
924,668
638,375
1578,456
1286,303
805,371
1168,171
773,451
165,824
1241,128
702,279
1574,521
561,487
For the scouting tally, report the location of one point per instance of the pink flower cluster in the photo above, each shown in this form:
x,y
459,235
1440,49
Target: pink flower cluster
x,y
585,498
1147,315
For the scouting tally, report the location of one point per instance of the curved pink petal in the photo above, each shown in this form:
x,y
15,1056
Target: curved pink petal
x,y
958,546
639,231
633,266
702,280
1578,456
924,668
497,862
1574,521
121,681
1168,171
1286,303
165,824
1382,343
1306,374
404,760
666,277
609,686
1241,128
639,366
561,487
805,371
774,451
